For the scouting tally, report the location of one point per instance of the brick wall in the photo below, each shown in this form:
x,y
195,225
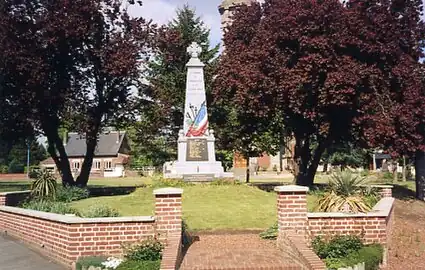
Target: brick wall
x,y
172,254
294,221
371,229
66,238
13,198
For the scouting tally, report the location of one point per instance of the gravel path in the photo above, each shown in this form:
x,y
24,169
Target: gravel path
x,y
407,247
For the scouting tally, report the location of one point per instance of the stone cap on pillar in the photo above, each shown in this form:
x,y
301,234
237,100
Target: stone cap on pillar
x,y
380,186
168,191
291,188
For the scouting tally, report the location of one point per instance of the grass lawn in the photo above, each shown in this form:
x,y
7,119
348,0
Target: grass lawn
x,y
14,185
205,207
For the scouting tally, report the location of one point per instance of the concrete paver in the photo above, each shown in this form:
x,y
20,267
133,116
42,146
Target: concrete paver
x,y
16,256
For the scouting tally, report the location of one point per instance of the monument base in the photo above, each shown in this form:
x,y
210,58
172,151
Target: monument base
x,y
201,171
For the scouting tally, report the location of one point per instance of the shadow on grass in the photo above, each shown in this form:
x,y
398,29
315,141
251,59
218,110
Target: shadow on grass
x,y
99,191
403,193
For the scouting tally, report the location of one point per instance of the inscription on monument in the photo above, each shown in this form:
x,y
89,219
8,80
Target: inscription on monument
x,y
197,150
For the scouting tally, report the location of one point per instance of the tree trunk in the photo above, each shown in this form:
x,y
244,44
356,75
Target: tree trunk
x,y
420,175
307,163
91,142
403,172
247,171
395,173
325,167
62,162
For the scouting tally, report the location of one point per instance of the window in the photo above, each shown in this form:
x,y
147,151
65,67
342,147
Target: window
x,y
108,165
76,165
96,165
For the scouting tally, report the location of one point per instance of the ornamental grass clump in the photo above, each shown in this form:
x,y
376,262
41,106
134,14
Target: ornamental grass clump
x,y
44,186
345,194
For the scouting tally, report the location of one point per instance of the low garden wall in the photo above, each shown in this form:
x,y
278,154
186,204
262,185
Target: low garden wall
x,y
66,238
13,198
294,220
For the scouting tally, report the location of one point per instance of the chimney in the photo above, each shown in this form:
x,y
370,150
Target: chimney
x,y
118,136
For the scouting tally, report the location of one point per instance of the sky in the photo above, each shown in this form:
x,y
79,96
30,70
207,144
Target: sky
x,y
162,11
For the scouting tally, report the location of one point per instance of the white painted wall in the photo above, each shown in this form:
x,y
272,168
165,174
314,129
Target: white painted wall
x,y
118,171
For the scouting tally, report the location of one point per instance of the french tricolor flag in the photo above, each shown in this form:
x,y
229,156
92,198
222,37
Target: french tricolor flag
x,y
200,125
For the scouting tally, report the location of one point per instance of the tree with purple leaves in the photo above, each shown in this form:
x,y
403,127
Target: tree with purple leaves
x,y
71,64
328,72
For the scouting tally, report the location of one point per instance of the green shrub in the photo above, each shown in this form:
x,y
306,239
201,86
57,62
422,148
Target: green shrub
x,y
71,193
148,250
270,233
388,176
224,182
3,169
100,211
346,183
139,265
337,247
316,191
86,262
371,255
345,191
44,186
159,182
332,202
50,206
15,167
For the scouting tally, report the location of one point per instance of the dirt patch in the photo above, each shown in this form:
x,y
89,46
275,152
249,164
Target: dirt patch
x,y
407,247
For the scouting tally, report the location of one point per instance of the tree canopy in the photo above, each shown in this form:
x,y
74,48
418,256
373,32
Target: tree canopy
x,y
71,65
166,84
327,72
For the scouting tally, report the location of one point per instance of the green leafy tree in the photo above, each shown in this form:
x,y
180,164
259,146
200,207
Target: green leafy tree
x,y
13,154
347,155
167,82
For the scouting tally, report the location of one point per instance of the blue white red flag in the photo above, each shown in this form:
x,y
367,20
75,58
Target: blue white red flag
x,y
200,125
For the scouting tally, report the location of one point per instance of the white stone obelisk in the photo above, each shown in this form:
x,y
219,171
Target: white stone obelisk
x,y
196,151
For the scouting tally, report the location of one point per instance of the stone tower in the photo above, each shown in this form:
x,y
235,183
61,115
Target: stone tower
x,y
227,8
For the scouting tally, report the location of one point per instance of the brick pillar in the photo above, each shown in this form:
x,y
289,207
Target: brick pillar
x,y
3,199
292,210
168,211
386,191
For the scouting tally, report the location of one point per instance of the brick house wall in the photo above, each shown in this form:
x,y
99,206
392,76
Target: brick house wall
x,y
66,238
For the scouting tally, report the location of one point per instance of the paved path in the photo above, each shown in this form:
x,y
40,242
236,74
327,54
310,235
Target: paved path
x,y
16,256
235,251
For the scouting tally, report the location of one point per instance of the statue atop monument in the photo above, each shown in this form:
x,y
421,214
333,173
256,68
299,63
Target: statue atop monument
x,y
196,149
